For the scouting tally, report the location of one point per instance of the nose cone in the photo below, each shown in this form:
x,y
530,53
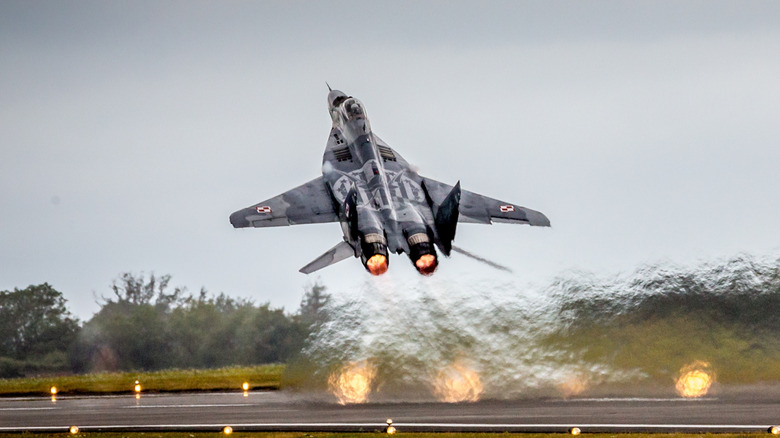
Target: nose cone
x,y
335,95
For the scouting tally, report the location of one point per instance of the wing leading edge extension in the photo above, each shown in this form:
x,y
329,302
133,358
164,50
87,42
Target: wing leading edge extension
x,y
310,203
475,208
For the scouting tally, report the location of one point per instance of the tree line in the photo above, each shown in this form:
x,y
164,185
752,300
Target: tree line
x,y
145,324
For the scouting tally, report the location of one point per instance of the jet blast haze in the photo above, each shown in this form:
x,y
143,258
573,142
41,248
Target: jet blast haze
x,y
383,205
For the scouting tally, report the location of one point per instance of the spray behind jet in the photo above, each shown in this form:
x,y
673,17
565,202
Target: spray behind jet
x,y
662,330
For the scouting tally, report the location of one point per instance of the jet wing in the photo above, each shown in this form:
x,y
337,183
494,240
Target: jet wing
x,y
475,208
310,203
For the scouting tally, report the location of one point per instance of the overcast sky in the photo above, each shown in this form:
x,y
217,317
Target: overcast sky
x,y
129,131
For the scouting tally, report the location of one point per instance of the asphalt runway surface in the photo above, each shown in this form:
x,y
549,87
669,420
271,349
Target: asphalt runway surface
x,y
279,410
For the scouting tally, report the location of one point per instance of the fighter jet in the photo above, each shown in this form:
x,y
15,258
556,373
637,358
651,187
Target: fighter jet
x,y
381,202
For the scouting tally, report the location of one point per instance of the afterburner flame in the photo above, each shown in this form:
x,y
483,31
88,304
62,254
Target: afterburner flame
x,y
457,383
695,379
426,264
377,264
352,383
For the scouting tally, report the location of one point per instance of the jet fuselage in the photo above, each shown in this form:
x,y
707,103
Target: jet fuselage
x,y
382,204
391,213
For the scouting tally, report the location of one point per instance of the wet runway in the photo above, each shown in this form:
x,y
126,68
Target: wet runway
x,y
279,410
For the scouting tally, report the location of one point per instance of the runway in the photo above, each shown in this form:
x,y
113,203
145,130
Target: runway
x,y
279,410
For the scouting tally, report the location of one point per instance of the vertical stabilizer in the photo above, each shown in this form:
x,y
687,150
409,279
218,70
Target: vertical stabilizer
x,y
446,217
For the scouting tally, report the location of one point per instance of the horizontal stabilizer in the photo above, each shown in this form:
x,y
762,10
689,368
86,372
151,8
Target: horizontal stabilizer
x,y
336,254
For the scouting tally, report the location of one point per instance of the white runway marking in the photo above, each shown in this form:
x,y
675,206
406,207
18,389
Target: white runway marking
x,y
214,405
600,426
633,399
293,426
146,395
27,409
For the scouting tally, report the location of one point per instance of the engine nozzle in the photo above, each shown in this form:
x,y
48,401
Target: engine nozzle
x,y
374,248
377,264
423,254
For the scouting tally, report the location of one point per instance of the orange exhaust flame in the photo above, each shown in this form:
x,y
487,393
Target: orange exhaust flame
x,y
377,264
457,383
426,264
352,383
695,379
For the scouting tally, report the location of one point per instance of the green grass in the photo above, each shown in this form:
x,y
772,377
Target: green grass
x,y
369,434
259,377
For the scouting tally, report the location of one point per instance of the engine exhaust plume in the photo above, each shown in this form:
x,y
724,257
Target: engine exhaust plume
x,y
457,383
377,264
573,386
695,380
426,264
352,383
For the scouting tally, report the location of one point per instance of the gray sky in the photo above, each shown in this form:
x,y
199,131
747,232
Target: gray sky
x,y
129,131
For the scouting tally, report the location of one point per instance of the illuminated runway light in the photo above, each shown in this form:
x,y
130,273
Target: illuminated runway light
x,y
227,430
73,430
53,390
457,383
352,383
774,430
245,386
137,387
391,430
575,431
695,379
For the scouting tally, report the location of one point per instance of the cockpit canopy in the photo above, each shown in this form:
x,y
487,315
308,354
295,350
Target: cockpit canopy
x,y
353,109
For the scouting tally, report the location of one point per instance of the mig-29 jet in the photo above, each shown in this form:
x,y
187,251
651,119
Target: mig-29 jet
x,y
383,205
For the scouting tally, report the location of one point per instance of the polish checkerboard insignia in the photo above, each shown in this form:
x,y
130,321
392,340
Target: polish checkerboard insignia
x,y
507,208
264,209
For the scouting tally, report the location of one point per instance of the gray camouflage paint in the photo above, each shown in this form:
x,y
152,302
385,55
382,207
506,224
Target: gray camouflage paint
x,y
391,196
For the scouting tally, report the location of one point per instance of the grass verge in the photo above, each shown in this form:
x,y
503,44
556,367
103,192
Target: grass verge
x,y
231,378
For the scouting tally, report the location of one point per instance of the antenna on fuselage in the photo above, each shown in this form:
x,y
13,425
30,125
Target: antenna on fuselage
x,y
329,89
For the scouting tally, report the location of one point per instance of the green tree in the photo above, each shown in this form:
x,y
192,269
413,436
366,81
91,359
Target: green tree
x,y
135,290
36,329
131,330
313,304
146,324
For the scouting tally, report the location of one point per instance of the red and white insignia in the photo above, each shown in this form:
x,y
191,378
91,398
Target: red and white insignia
x,y
264,209
507,208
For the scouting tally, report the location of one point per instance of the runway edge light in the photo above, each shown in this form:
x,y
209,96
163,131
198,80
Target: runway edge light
x,y
390,428
774,430
227,430
73,430
575,431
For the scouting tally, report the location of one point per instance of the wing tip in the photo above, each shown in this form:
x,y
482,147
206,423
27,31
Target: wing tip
x,y
538,219
239,220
